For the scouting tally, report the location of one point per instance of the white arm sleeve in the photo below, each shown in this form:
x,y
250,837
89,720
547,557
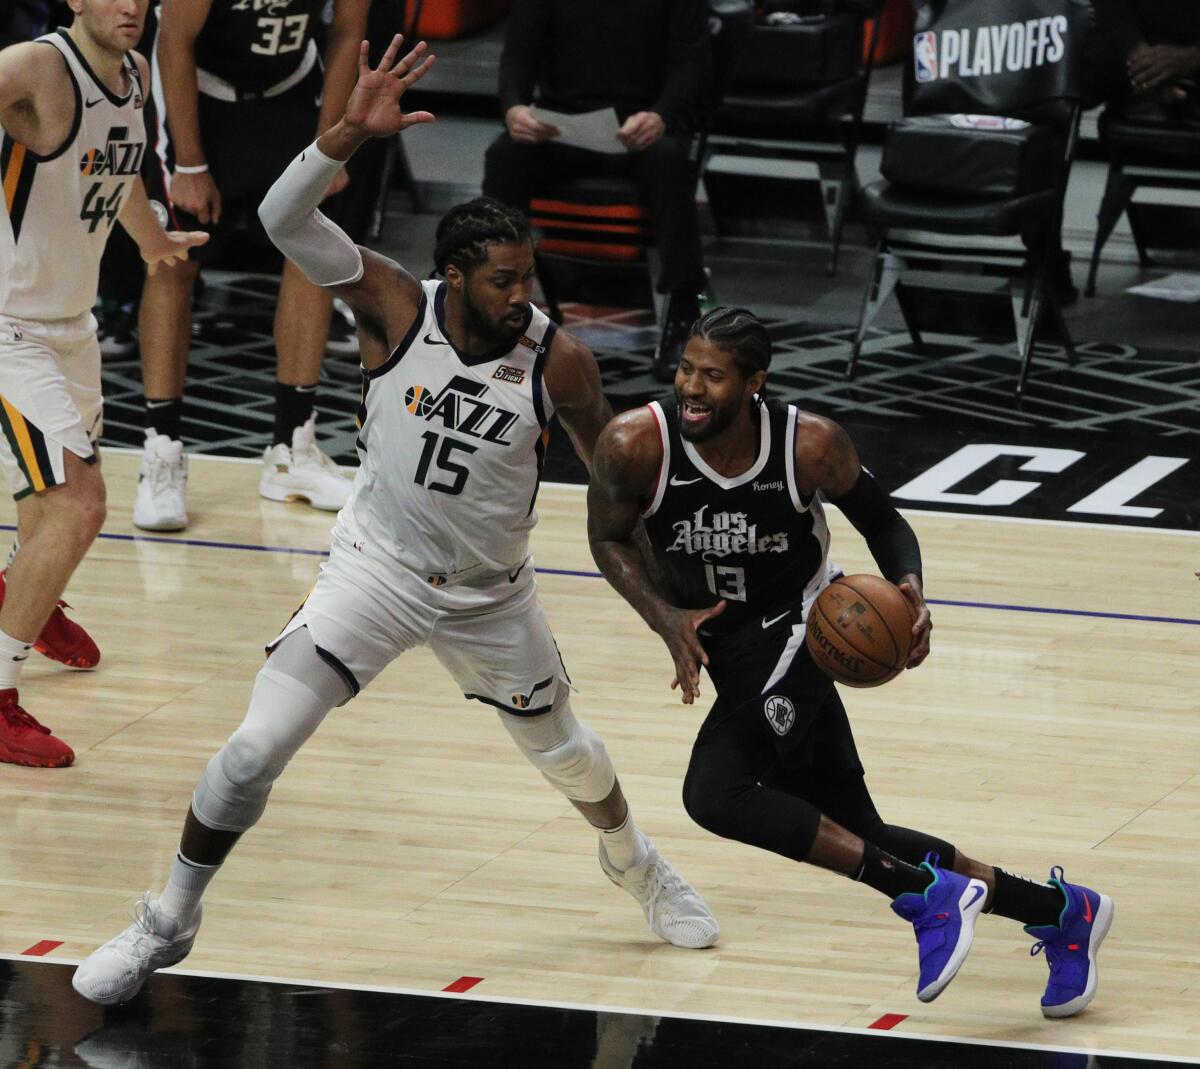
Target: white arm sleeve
x,y
320,248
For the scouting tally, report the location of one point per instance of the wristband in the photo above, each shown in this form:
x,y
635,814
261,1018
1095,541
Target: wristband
x,y
200,168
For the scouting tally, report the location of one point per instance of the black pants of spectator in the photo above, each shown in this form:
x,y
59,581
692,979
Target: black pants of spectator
x,y
664,173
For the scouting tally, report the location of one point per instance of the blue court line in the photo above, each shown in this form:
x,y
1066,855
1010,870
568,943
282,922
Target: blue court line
x,y
996,606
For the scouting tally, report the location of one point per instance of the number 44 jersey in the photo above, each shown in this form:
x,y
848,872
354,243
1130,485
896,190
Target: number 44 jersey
x,y
451,449
61,206
753,540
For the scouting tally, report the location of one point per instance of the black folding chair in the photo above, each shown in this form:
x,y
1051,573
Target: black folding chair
x,y
985,150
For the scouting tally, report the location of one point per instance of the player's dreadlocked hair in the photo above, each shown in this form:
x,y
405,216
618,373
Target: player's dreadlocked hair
x,y
466,230
741,332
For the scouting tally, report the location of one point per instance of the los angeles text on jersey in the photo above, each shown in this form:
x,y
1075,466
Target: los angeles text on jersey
x,y
973,52
460,406
728,533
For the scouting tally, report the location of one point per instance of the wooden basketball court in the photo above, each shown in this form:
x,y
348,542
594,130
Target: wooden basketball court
x,y
409,845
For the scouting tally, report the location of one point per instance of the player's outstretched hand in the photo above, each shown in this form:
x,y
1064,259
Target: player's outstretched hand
x,y
173,248
374,105
678,629
922,628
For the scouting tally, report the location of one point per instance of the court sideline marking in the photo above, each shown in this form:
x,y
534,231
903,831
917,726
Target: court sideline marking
x,y
873,1033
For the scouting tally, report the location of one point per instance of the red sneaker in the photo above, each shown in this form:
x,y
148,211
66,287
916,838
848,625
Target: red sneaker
x,y
23,741
62,639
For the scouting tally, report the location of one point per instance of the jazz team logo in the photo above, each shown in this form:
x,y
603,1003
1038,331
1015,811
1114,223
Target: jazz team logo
x,y
925,56
461,406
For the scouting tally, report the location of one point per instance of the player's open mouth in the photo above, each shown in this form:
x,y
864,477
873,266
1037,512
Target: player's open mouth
x,y
694,413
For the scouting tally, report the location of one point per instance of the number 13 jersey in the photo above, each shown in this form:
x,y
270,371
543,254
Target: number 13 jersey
x,y
753,539
451,448
61,207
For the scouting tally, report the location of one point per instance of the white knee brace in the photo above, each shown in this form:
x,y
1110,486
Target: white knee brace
x,y
571,756
292,693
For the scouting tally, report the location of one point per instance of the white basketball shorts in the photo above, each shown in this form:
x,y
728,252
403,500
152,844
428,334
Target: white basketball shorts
x,y
50,399
490,632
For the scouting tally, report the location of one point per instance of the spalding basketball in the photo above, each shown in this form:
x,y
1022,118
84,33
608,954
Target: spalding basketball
x,y
860,630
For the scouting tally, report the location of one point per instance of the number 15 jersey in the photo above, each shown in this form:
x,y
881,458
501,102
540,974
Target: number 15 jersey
x,y
451,448
61,207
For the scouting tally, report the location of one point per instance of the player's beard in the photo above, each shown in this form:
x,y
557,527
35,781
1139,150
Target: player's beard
x,y
501,335
719,418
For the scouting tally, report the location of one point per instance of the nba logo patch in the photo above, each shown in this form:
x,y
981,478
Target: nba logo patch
x,y
780,712
925,56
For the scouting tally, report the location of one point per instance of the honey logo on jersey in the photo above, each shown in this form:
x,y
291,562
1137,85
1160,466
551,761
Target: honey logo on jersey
x,y
460,406
722,534
119,156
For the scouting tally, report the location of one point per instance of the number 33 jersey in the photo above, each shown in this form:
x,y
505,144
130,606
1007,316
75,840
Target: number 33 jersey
x,y
61,207
451,448
753,539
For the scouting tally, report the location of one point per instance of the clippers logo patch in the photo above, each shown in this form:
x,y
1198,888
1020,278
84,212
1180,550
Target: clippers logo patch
x,y
505,373
780,713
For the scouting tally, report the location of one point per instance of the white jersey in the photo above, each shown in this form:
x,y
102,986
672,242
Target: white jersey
x,y
60,208
451,449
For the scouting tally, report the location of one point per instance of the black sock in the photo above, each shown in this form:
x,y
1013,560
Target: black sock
x,y
683,308
889,874
1021,899
165,416
293,406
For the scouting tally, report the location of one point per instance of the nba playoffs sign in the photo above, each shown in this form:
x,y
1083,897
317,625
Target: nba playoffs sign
x,y
997,52
969,52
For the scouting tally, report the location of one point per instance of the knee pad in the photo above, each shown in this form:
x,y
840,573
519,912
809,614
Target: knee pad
x,y
283,713
569,754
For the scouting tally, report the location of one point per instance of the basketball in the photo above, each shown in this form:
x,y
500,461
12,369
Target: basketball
x,y
860,630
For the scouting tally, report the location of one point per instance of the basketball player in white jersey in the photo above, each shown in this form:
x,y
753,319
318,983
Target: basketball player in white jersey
x,y
73,138
460,379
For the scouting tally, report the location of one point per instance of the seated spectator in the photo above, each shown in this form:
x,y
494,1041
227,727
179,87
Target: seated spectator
x,y
1154,48
648,60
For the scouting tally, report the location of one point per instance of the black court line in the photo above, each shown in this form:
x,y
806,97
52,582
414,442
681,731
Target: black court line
x,y
183,1021
997,606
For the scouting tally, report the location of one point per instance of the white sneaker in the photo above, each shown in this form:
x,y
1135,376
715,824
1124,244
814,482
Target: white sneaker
x,y
303,473
162,485
116,971
674,910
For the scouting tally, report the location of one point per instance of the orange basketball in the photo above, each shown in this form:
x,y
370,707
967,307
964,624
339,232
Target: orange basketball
x,y
860,630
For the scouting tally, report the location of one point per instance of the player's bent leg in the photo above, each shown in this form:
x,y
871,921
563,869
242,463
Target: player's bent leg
x,y
292,694
575,761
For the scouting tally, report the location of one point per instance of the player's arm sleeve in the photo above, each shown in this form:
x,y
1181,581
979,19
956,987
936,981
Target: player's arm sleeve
x,y
290,216
892,542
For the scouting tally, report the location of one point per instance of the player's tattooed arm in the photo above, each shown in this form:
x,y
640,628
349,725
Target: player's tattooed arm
x,y
626,464
572,381
826,460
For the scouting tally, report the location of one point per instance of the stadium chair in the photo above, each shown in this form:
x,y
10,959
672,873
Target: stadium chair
x,y
797,93
1147,146
980,159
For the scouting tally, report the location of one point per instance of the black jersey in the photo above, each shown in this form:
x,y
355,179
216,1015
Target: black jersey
x,y
752,539
255,44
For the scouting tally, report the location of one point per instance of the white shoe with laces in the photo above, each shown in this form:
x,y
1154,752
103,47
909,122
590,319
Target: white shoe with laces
x,y
673,909
116,971
160,504
301,472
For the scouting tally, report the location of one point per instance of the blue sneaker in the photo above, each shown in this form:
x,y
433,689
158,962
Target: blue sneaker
x,y
1071,946
944,919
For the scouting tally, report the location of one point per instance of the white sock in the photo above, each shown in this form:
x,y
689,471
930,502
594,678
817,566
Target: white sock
x,y
181,897
13,653
625,848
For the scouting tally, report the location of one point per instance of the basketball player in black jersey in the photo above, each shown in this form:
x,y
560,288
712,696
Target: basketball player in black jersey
x,y
243,92
728,489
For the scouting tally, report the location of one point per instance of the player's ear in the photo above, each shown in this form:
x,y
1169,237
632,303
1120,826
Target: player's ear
x,y
755,382
455,278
